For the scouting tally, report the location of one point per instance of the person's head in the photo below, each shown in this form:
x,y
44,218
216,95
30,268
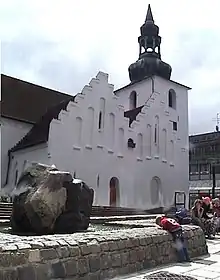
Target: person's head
x,y
216,202
158,220
206,200
197,203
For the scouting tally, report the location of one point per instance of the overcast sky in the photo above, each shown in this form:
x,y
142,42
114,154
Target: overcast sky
x,y
63,44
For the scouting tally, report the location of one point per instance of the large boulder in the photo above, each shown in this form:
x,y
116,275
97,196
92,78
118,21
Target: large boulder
x,y
47,200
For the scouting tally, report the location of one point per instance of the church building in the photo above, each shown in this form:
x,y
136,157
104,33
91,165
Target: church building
x,y
130,145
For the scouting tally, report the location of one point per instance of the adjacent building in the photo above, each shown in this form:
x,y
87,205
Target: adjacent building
x,y
203,154
129,144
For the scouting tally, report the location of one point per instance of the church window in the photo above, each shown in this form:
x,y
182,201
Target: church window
x,y
111,130
97,181
90,124
121,139
172,151
78,131
156,134
149,135
101,114
16,177
133,100
172,99
140,145
164,137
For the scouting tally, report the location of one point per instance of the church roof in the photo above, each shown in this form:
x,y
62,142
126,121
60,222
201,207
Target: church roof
x,y
27,102
40,131
132,114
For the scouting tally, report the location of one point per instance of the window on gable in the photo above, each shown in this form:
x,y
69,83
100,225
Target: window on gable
x,y
133,100
101,114
175,126
172,99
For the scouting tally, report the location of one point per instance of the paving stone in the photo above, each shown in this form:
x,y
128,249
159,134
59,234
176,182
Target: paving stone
x,y
94,263
42,272
58,270
9,274
48,254
63,252
74,251
83,266
70,267
26,273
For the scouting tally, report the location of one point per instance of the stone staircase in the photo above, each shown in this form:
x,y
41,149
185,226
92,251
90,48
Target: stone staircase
x,y
98,212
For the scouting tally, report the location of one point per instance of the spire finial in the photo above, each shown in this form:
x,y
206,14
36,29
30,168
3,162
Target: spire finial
x,y
149,16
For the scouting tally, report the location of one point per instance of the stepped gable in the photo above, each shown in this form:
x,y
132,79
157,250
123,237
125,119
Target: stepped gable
x,y
40,131
27,102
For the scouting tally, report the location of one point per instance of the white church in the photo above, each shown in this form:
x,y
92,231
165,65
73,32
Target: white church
x,y
130,145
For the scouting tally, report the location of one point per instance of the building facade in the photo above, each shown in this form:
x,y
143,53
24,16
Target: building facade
x,y
203,154
129,144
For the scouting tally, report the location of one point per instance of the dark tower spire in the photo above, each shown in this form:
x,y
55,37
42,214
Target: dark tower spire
x,y
149,62
149,16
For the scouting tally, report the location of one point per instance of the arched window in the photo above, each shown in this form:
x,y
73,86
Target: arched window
x,y
156,134
111,130
101,114
97,181
16,177
133,100
140,145
90,124
172,152
149,140
78,131
172,99
164,137
121,139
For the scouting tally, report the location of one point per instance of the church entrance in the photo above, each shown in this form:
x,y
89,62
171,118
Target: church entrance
x,y
156,191
114,192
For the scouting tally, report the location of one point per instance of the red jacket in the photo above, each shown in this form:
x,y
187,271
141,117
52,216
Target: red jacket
x,y
169,224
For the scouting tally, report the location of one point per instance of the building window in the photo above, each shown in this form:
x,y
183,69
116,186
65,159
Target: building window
x,y
149,140
164,136
97,181
172,99
16,177
175,126
78,131
90,124
140,145
133,100
101,114
121,139
111,130
172,151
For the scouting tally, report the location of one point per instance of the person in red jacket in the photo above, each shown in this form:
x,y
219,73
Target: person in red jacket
x,y
177,233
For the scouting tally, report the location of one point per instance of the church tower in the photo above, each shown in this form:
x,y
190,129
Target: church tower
x,y
149,62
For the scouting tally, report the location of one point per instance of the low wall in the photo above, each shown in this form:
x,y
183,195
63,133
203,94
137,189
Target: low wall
x,y
91,255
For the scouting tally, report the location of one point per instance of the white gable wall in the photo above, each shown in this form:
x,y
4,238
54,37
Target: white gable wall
x,y
90,159
38,153
80,144
11,132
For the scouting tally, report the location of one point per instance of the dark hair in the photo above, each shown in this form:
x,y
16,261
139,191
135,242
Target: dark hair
x,y
197,201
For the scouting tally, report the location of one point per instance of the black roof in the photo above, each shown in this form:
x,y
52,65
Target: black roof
x,y
27,102
132,114
40,131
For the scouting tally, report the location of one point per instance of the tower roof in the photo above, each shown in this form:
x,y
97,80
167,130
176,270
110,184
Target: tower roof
x,y
149,16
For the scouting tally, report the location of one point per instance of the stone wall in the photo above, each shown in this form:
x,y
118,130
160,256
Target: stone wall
x,y
91,255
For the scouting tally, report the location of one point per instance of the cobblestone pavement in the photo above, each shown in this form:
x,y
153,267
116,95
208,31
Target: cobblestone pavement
x,y
207,267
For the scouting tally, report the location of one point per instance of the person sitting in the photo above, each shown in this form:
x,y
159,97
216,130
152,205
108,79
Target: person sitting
x,y
175,229
197,214
207,217
216,212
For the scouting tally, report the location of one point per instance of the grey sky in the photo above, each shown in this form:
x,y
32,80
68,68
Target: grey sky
x,y
63,44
